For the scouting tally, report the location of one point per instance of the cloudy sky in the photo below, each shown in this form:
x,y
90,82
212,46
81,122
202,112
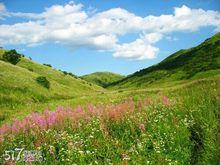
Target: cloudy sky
x,y
121,36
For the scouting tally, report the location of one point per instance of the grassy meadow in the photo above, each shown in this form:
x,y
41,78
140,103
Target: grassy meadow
x,y
170,126
163,114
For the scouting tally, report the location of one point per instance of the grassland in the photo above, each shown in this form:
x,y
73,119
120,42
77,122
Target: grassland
x,y
176,125
165,114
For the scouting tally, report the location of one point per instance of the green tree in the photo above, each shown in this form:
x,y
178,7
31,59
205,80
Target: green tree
x,y
12,56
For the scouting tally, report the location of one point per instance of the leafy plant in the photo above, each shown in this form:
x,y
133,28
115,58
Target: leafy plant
x,y
43,81
12,57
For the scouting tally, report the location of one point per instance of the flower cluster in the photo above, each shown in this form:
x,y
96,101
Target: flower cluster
x,y
61,116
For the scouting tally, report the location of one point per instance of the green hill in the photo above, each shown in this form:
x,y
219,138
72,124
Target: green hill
x,y
197,62
102,78
19,84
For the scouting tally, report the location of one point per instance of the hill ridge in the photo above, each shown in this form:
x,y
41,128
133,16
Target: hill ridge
x,y
102,78
182,65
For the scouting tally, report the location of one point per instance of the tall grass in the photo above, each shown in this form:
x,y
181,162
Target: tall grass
x,y
159,131
175,130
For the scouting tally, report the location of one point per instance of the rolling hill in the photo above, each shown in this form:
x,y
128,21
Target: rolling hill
x,y
102,78
197,62
19,85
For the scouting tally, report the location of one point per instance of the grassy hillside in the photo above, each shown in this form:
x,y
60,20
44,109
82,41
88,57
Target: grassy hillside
x,y
102,78
198,62
19,85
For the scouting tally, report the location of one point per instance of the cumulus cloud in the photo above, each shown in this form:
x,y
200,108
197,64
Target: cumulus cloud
x,y
137,50
140,49
75,27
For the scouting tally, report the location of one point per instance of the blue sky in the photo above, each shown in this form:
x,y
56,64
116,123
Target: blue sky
x,y
117,36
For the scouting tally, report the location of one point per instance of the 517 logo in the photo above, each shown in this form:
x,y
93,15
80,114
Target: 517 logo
x,y
19,154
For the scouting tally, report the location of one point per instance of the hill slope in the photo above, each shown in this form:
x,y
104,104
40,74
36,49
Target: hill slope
x,y
197,62
102,78
18,84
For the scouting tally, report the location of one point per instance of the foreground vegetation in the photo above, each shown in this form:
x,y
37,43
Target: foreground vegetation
x,y
178,126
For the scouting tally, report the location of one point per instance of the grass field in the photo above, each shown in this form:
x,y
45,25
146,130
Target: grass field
x,y
163,114
171,125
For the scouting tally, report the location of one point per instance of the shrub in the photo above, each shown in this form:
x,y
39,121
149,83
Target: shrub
x,y
68,73
12,56
71,74
43,81
48,65
30,69
64,72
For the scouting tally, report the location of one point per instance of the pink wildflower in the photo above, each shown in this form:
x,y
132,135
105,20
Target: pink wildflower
x,y
142,127
166,100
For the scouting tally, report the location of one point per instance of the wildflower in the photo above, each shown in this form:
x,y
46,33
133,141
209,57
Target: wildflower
x,y
70,143
88,152
91,136
124,156
140,105
79,110
142,127
81,152
51,150
166,101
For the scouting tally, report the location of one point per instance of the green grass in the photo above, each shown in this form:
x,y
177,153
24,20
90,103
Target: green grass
x,y
183,131
102,78
19,87
16,80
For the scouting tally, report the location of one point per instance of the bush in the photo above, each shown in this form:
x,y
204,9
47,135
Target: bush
x,y
48,65
12,56
43,81
71,74
30,69
68,73
64,72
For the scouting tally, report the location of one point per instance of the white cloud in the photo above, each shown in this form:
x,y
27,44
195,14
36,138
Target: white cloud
x,y
184,10
139,49
75,27
151,37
